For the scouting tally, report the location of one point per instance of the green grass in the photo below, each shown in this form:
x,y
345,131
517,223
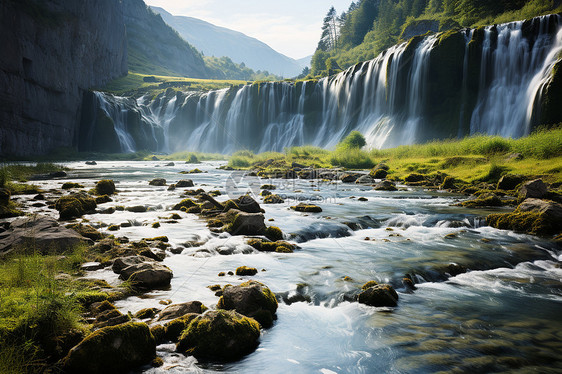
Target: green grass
x,y
21,172
134,84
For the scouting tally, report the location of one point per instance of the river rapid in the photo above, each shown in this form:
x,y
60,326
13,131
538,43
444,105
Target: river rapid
x,y
503,314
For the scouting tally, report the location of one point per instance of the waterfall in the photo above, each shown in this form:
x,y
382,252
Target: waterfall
x,y
494,82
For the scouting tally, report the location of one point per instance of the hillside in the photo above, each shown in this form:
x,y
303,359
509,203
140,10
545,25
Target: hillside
x,y
155,48
219,41
370,26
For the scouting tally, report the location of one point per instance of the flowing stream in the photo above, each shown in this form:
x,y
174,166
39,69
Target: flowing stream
x,y
501,315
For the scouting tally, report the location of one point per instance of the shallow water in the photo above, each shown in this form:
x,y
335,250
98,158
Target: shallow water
x,y
504,314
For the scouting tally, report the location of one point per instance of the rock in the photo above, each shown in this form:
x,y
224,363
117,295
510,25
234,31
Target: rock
x,y
184,183
74,205
379,295
247,204
185,203
103,199
105,187
121,263
69,185
448,183
147,275
246,223
146,313
220,334
378,173
245,270
174,328
170,164
365,179
87,231
308,208
137,209
414,177
178,310
157,182
268,187
485,199
114,349
533,216
45,234
273,199
4,196
274,233
509,182
91,163
111,317
533,189
385,185
91,266
252,299
265,193
348,178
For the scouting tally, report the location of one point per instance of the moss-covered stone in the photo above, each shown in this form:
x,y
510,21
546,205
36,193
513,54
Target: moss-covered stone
x,y
74,206
252,299
175,327
369,284
273,199
114,349
485,199
379,295
185,203
146,313
307,208
86,231
245,270
157,182
103,199
268,187
378,173
274,233
114,228
223,335
69,185
414,178
105,187
533,222
159,333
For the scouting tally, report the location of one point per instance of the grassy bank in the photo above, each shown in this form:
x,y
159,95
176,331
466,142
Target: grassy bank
x,y
134,84
470,159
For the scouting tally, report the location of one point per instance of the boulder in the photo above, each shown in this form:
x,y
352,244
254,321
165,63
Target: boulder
x,y
485,199
147,275
247,204
252,299
87,231
273,199
378,173
177,310
245,270
509,182
414,177
348,178
121,263
365,179
75,205
379,295
91,163
532,216
220,334
184,183
42,232
137,209
246,223
114,349
307,208
157,182
185,203
533,189
548,208
105,187
386,185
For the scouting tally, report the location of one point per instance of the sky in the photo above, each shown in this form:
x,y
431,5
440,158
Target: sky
x,y
291,27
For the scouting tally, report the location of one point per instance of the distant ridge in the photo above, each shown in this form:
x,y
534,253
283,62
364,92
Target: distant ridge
x,y
219,41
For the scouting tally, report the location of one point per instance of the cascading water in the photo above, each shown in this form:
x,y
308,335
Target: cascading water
x,y
492,84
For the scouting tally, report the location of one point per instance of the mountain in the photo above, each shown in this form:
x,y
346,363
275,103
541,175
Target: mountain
x,y
305,61
156,48
219,41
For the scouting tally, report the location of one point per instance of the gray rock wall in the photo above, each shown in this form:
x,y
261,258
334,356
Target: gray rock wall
x,y
52,51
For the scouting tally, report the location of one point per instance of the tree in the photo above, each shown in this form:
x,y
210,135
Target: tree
x,y
354,140
329,38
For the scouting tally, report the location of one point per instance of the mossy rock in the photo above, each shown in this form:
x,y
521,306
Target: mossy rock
x,y
146,313
252,299
533,222
484,200
220,335
307,208
159,333
74,206
448,183
87,231
230,204
274,233
9,210
378,173
273,199
185,203
114,349
245,270
268,187
69,185
265,193
369,284
105,187
157,182
193,210
379,295
174,328
414,178
184,183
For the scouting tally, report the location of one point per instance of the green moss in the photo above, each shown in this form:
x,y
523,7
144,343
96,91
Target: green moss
x,y
274,233
156,225
99,353
114,227
307,208
245,270
157,239
485,199
221,334
103,199
175,327
74,205
369,284
529,222
185,203
230,204
87,298
273,199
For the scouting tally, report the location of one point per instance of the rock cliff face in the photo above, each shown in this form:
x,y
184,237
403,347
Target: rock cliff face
x,y
52,51
156,48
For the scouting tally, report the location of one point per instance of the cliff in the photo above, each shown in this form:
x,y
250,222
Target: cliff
x,y
52,51
156,48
